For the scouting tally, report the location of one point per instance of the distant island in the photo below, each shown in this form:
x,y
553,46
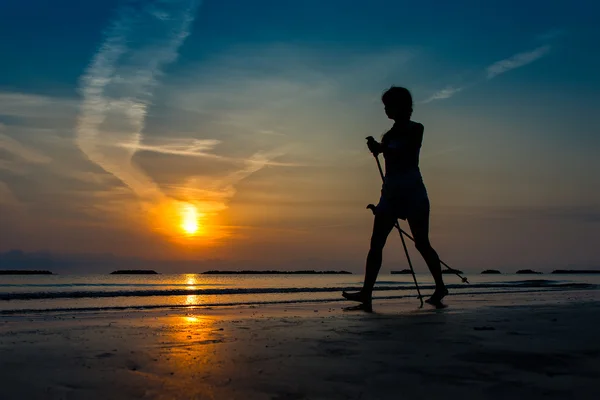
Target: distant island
x,y
576,271
445,271
491,271
134,272
24,272
452,271
249,272
401,272
527,271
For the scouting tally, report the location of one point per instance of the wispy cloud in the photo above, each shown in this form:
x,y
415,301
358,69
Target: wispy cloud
x,y
492,71
27,154
212,192
179,147
25,105
202,148
516,61
445,93
117,86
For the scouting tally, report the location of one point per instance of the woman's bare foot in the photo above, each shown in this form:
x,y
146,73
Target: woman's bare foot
x,y
437,296
362,298
357,296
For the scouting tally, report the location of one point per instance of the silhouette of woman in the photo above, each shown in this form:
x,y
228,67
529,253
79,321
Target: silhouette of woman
x,y
403,195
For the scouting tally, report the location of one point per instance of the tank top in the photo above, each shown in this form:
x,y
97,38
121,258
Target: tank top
x,y
404,140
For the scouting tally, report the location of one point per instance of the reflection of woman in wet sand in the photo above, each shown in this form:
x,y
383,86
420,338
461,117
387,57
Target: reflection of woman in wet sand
x,y
403,195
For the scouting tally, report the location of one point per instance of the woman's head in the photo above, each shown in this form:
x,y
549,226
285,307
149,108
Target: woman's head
x,y
398,103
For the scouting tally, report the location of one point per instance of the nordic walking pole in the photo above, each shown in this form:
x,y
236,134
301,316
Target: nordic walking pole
x,y
372,207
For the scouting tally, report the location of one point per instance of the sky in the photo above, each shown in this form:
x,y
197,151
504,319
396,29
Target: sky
x,y
231,132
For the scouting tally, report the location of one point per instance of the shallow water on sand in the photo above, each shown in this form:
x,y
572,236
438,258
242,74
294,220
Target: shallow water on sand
x,y
105,292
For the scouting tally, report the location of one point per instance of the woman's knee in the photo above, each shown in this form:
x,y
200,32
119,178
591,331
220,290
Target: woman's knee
x,y
424,246
382,227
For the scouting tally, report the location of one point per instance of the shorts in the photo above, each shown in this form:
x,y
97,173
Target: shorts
x,y
403,199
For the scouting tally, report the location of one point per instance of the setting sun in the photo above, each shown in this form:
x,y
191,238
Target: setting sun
x,y
185,222
190,217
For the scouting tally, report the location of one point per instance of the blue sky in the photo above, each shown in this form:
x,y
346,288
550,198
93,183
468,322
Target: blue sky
x,y
117,115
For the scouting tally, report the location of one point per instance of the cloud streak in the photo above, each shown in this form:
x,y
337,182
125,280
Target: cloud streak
x,y
444,94
182,147
22,105
212,192
516,61
493,70
118,84
201,148
20,150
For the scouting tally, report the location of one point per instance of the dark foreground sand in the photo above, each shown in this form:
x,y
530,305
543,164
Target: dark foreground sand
x,y
306,352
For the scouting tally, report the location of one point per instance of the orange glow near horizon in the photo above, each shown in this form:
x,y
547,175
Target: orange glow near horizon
x,y
189,225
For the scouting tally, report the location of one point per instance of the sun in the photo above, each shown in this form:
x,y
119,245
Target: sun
x,y
185,223
189,220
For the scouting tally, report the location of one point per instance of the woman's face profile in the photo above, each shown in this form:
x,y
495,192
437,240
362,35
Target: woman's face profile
x,y
389,111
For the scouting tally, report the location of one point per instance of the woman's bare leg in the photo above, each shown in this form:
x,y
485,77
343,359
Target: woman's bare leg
x,y
382,226
419,226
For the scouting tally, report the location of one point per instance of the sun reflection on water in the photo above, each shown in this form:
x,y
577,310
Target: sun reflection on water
x,y
191,319
191,280
192,300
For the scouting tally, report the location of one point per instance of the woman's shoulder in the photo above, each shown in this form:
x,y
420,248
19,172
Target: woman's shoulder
x,y
417,126
404,130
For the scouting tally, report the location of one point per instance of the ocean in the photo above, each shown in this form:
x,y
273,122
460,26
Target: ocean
x,y
54,293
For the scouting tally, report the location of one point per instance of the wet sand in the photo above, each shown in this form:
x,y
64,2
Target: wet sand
x,y
305,352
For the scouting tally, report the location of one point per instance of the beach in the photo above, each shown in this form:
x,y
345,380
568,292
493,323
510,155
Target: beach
x,y
494,347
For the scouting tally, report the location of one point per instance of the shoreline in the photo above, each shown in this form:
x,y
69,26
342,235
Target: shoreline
x,y
468,299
